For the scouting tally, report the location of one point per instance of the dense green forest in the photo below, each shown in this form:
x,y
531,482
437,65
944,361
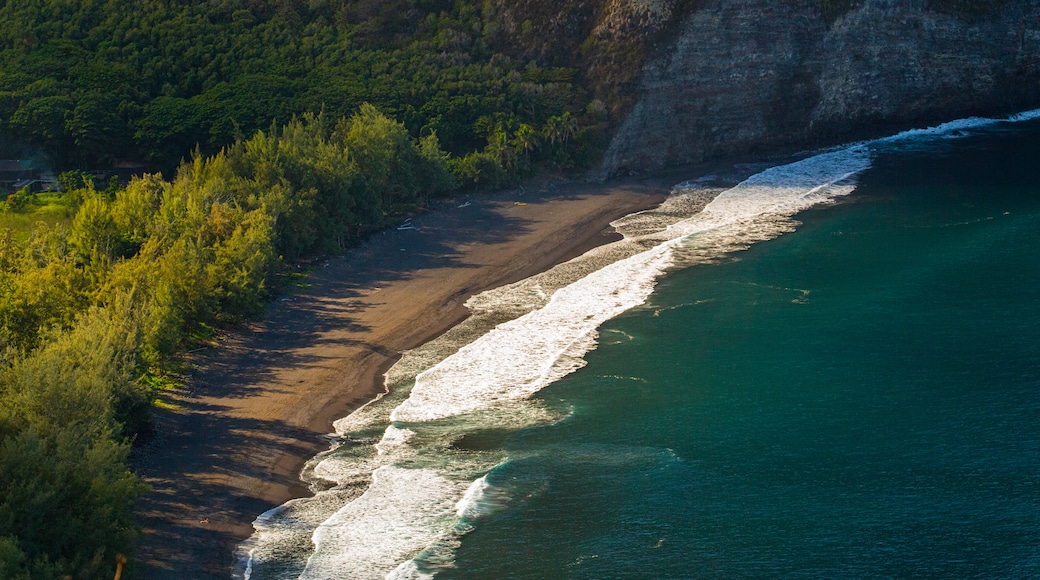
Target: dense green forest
x,y
148,80
92,81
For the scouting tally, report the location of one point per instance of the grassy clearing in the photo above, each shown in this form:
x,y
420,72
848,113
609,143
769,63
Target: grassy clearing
x,y
50,208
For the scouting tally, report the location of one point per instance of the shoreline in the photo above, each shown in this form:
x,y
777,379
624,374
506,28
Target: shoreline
x,y
257,407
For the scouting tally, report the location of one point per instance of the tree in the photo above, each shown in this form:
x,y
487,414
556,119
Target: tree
x,y
19,200
525,141
94,235
434,171
559,130
42,287
95,127
66,495
569,126
500,149
135,207
42,120
168,128
385,154
553,130
242,262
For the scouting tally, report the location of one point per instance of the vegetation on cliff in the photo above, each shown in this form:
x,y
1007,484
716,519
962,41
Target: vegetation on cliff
x,y
91,82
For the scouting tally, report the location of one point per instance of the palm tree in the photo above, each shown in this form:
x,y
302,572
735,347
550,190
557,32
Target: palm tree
x,y
553,130
569,127
525,141
499,148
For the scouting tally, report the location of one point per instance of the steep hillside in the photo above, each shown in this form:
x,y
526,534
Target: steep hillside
x,y
521,82
740,76
607,40
90,83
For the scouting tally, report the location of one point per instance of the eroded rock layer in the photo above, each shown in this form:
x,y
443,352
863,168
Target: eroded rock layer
x,y
744,75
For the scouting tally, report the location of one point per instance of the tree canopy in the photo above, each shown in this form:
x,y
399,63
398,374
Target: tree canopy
x,y
149,80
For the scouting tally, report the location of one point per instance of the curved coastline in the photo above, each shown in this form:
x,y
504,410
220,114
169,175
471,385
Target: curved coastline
x,y
261,404
396,511
344,541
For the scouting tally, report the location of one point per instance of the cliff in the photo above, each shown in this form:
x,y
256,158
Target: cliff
x,y
739,76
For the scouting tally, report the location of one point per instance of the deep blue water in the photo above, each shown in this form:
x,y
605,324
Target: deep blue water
x,y
858,398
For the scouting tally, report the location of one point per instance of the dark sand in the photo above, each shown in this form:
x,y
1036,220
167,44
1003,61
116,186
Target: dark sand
x,y
259,404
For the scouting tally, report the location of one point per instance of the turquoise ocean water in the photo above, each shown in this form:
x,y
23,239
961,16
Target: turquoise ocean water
x,y
855,394
858,398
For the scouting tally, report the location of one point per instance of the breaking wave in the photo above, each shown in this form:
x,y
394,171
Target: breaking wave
x,y
407,475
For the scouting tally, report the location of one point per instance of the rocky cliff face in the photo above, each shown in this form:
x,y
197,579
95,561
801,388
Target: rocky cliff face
x,y
607,40
744,75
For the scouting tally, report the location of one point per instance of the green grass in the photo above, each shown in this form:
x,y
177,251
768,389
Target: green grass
x,y
50,208
291,279
166,386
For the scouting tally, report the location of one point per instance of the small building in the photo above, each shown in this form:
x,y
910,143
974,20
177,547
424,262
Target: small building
x,y
35,185
122,171
16,169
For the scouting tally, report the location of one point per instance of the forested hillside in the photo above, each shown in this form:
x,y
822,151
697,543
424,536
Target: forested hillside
x,y
148,80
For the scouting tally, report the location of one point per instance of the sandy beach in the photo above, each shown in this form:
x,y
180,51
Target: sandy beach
x,y
259,405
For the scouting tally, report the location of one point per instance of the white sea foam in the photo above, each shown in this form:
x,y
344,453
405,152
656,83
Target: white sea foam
x,y
420,509
403,496
393,438
921,139
408,571
1025,116
467,506
403,512
482,500
520,357
277,535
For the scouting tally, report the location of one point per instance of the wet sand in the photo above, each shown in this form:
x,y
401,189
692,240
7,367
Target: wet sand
x,y
258,405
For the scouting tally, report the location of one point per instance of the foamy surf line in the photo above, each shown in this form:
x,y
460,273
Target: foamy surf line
x,y
519,358
402,513
516,359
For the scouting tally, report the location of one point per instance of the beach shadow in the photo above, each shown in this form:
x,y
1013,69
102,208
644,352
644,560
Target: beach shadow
x,y
198,512
326,311
193,519
202,455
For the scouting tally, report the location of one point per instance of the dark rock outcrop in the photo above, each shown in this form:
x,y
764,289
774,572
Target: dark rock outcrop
x,y
746,75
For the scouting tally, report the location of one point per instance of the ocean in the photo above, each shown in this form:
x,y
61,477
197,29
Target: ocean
x,y
829,370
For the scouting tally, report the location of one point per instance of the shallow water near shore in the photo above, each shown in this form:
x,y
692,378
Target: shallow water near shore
x,y
856,397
